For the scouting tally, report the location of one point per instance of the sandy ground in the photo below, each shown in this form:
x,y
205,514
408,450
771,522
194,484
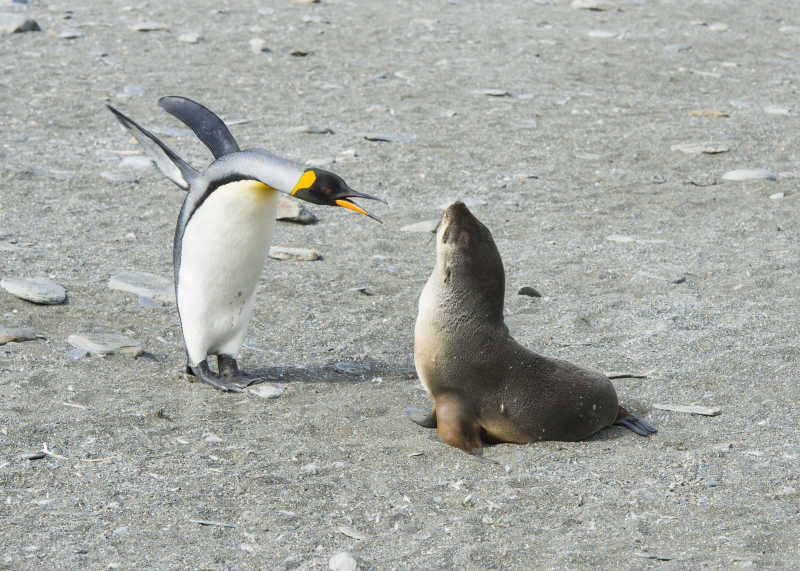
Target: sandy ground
x,y
648,262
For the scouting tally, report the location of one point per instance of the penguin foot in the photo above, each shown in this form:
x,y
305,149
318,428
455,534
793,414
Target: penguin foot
x,y
232,383
639,426
229,370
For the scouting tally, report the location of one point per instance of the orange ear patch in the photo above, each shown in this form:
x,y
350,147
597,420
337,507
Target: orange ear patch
x,y
308,178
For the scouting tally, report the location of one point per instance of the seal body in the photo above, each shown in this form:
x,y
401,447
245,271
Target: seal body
x,y
487,387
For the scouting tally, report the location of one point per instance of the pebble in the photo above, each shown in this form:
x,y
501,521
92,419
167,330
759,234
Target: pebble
x,y
18,335
469,202
689,409
749,174
17,24
349,368
212,438
777,110
105,343
132,90
150,27
352,532
698,148
37,290
602,34
777,196
144,284
266,391
137,163
310,129
294,254
310,468
259,45
305,1
389,137
593,5
116,176
190,37
70,35
708,113
343,561
529,291
300,53
622,239
492,92
422,226
292,211
677,48
664,272
718,27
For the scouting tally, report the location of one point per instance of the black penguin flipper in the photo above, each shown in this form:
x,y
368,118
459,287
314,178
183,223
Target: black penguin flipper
x,y
171,165
209,128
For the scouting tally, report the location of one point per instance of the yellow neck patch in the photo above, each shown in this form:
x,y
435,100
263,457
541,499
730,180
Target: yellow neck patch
x,y
308,179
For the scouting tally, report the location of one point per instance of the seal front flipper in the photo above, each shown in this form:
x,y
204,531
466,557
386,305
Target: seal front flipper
x,y
423,417
458,426
171,165
639,426
208,127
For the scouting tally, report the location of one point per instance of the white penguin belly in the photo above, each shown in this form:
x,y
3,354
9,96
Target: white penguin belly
x,y
222,254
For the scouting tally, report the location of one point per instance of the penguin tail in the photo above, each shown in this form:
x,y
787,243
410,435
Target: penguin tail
x,y
171,165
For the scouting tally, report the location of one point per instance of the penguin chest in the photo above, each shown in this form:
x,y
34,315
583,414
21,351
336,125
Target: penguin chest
x,y
222,254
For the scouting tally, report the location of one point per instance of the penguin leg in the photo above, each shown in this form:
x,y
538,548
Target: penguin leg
x,y
204,373
639,426
421,416
229,370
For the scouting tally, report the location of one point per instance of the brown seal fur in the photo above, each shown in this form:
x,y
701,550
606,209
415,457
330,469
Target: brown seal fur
x,y
487,387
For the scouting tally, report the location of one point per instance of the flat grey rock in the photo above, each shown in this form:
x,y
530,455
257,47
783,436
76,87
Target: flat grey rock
x,y
698,148
190,37
592,5
421,226
749,174
43,291
105,343
17,24
291,210
144,284
294,254
343,561
18,335
492,92
689,409
70,35
266,391
150,27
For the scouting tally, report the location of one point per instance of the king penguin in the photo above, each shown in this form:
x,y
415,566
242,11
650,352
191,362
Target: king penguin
x,y
224,230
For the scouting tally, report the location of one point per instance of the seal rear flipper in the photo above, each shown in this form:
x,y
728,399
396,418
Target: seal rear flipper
x,y
171,165
639,426
421,416
208,127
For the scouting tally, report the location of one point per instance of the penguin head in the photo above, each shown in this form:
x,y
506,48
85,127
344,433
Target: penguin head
x,y
324,187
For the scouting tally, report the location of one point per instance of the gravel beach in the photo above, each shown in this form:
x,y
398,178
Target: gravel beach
x,y
637,163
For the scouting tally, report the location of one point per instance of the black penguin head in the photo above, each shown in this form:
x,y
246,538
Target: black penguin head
x,y
324,187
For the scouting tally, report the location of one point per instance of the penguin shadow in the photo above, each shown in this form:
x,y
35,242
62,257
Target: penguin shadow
x,y
340,371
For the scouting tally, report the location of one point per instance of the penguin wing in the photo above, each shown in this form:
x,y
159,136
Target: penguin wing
x,y
171,165
209,128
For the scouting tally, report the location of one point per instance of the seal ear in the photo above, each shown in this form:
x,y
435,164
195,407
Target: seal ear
x,y
171,165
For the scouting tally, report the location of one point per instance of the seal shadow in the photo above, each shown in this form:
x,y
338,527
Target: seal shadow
x,y
333,371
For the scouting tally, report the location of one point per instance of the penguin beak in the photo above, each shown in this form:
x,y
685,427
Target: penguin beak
x,y
341,199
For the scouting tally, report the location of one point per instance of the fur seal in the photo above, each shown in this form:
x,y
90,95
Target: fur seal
x,y
486,387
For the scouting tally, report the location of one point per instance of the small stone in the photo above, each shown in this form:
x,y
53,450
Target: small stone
x,y
352,532
448,113
718,27
777,110
105,343
593,5
389,137
305,1
123,530
310,468
150,27
491,92
422,226
343,561
132,90
137,163
311,129
663,272
529,291
116,176
294,254
36,290
144,284
749,174
17,24
212,438
300,53
622,239
712,483
689,409
258,45
708,113
292,211
70,35
698,148
190,37
602,34
789,29
777,196
18,335
266,391
677,48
